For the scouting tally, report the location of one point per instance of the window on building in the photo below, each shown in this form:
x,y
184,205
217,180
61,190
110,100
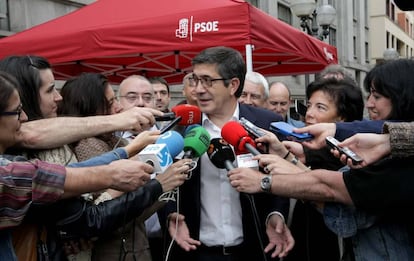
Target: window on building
x,y
387,8
354,9
333,3
332,36
354,45
407,24
387,39
284,14
4,15
253,2
366,52
366,14
392,12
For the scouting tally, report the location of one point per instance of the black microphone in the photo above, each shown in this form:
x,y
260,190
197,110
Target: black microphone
x,y
221,154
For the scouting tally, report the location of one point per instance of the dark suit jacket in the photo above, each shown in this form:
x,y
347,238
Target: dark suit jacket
x,y
264,203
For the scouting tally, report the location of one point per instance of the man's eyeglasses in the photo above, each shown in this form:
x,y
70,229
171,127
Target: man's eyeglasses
x,y
17,112
206,81
133,97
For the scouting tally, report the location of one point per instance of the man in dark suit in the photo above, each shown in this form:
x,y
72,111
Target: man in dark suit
x,y
215,222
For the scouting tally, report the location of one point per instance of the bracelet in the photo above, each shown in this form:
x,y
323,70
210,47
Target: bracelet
x,y
287,155
294,161
275,213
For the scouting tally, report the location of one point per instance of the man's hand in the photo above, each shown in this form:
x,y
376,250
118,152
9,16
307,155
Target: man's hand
x,y
179,232
280,238
128,175
174,176
245,180
276,165
297,149
136,119
141,141
274,144
370,147
320,131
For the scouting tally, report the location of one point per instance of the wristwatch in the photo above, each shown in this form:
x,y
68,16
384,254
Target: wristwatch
x,y
266,183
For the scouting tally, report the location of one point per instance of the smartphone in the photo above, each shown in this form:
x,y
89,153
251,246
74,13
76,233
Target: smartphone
x,y
251,128
170,125
300,108
286,130
333,143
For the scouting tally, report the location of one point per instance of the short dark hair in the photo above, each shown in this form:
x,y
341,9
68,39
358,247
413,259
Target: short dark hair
x,y
84,95
346,95
160,80
394,79
8,85
25,69
230,64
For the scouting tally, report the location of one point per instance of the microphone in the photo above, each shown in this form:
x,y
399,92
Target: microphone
x,y
190,114
221,154
160,155
234,133
196,142
174,142
183,115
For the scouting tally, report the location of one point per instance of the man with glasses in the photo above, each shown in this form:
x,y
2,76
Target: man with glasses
x,y
137,91
188,91
255,90
212,220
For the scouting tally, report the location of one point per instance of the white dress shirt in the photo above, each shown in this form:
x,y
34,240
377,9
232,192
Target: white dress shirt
x,y
221,213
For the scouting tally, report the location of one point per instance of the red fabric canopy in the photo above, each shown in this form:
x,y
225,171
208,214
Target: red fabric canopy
x,y
160,37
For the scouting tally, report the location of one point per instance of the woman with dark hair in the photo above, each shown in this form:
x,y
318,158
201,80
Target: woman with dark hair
x,y
390,97
36,79
342,96
330,99
90,94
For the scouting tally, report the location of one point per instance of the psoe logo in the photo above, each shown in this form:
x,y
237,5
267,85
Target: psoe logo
x,y
186,28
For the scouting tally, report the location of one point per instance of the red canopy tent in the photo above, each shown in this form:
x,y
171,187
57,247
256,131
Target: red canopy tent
x,y
160,37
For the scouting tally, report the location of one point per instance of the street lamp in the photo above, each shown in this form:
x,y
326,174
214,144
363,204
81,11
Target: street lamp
x,y
390,54
312,17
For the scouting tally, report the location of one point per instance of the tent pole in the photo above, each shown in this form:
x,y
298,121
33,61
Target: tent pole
x,y
249,62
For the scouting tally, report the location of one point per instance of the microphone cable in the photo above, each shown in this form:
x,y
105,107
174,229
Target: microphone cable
x,y
167,255
256,220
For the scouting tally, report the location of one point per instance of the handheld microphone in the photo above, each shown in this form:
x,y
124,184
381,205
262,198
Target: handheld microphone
x,y
196,143
221,154
160,155
167,116
190,114
183,115
234,133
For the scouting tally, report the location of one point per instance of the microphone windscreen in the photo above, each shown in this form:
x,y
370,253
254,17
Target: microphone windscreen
x,y
174,142
219,152
197,141
189,128
234,133
190,114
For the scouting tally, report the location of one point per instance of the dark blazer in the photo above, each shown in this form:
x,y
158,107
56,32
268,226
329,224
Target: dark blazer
x,y
265,203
